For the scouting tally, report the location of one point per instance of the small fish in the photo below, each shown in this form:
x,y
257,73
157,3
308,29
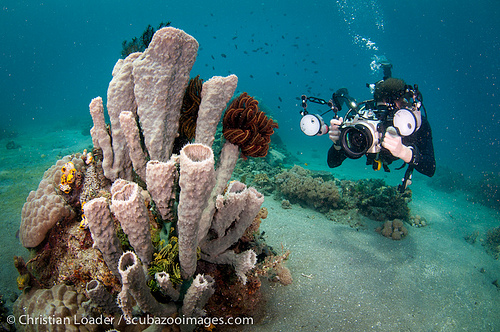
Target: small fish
x,y
251,76
213,58
223,55
235,37
277,73
281,100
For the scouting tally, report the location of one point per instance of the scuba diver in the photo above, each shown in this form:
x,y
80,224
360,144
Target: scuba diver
x,y
416,149
389,127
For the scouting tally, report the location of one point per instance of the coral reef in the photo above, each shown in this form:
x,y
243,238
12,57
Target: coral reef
x,y
342,201
137,195
393,229
46,206
376,200
248,127
59,307
298,186
285,204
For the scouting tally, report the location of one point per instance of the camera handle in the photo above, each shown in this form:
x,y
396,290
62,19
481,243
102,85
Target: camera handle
x,y
330,103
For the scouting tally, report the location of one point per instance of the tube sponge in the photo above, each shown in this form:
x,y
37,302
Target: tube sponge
x,y
128,205
227,161
215,94
163,279
103,231
134,285
101,138
101,298
230,220
121,98
161,75
242,262
196,180
131,133
160,179
197,296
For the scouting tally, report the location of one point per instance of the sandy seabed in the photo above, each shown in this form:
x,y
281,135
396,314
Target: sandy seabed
x,y
345,279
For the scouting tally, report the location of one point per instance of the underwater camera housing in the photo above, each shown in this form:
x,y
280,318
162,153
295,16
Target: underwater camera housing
x,y
365,124
362,132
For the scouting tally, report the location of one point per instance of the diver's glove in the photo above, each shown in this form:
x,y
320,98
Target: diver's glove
x,y
334,131
392,142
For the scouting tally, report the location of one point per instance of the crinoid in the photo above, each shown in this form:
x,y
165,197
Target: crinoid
x,y
190,107
248,127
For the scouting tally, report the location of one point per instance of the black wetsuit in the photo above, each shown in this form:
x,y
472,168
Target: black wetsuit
x,y
423,151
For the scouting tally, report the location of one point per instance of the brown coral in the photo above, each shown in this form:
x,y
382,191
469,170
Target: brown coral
x,y
248,127
190,108
393,229
298,186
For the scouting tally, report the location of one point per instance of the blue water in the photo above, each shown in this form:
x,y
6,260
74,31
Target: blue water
x,y
57,55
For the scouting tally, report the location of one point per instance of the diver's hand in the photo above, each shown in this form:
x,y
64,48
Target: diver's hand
x,y
392,142
334,132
